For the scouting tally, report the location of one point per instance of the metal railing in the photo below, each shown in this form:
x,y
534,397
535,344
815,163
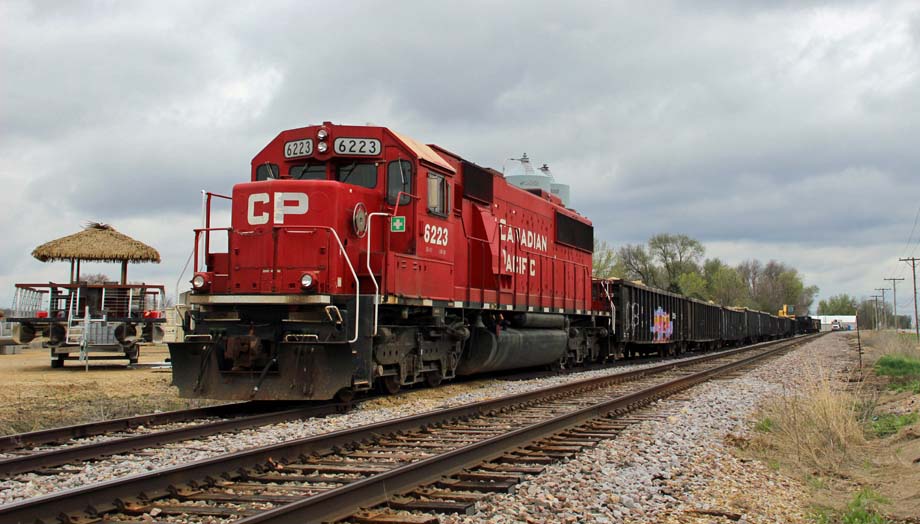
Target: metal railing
x,y
67,301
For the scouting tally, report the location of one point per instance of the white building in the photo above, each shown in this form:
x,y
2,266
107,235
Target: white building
x,y
846,322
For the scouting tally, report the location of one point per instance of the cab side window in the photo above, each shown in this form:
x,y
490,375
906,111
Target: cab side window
x,y
399,179
437,194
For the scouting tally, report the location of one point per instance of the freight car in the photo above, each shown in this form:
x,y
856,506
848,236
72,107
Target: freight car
x,y
807,324
357,257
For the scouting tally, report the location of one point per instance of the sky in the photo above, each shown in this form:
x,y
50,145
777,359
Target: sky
x,y
771,130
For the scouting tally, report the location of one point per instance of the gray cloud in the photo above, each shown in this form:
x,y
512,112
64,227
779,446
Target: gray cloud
x,y
780,126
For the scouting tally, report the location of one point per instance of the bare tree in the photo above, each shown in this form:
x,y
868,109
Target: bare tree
x,y
95,278
605,260
638,264
750,271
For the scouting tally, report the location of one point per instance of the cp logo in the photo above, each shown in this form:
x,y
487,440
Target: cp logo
x,y
284,204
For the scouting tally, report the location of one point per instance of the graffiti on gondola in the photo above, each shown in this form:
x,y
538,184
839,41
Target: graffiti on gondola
x,y
662,328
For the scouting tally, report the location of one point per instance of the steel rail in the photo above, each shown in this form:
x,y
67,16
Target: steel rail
x,y
67,455
103,497
89,429
344,501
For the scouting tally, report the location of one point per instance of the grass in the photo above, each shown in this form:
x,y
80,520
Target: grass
x,y
31,417
891,344
890,423
861,509
815,482
897,366
764,425
912,386
818,429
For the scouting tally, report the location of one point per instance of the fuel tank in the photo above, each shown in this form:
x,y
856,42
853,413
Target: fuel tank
x,y
511,348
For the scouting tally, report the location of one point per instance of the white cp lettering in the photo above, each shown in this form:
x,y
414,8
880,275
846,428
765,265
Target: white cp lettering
x,y
285,204
261,218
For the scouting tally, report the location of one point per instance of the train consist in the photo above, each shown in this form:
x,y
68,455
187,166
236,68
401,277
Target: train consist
x,y
357,258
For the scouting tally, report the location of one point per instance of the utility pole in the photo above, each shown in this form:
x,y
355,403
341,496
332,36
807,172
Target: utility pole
x,y
884,314
894,298
875,311
913,264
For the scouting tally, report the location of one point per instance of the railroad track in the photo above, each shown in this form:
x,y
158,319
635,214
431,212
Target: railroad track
x,y
231,417
437,461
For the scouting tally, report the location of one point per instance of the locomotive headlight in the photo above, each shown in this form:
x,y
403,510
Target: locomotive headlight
x,y
306,280
322,147
199,281
322,134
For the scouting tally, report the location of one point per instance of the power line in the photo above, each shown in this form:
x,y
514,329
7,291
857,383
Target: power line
x,y
913,265
884,314
912,231
894,293
875,310
908,252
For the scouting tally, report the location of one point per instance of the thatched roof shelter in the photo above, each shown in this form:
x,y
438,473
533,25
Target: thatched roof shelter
x,y
98,243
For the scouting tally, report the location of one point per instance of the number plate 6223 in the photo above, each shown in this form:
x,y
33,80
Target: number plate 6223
x,y
357,146
298,148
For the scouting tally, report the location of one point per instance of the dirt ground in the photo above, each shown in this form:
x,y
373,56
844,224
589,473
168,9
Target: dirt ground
x,y
890,465
34,396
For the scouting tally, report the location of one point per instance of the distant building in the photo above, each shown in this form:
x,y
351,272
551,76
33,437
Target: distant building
x,y
846,322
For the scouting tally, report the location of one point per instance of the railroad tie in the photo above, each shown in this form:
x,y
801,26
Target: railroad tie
x,y
388,517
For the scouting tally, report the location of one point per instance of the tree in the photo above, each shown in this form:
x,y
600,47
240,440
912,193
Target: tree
x,y
807,299
842,304
750,271
726,286
693,285
872,318
677,254
638,264
775,284
94,278
604,261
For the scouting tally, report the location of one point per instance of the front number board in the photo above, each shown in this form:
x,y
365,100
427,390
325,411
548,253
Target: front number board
x,y
357,146
298,148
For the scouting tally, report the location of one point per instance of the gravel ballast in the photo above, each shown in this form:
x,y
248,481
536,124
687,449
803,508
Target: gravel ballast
x,y
676,469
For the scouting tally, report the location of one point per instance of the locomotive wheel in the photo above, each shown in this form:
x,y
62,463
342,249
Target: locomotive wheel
x,y
345,395
433,379
390,384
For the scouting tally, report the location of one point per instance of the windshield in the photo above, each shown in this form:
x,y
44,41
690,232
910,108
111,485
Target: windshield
x,y
308,171
362,174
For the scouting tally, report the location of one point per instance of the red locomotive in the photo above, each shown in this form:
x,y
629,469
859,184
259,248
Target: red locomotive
x,y
359,257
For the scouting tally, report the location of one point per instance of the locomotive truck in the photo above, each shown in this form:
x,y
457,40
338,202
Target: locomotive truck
x,y
358,257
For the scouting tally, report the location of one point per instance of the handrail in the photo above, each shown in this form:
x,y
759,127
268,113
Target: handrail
x,y
76,285
370,221
206,215
198,233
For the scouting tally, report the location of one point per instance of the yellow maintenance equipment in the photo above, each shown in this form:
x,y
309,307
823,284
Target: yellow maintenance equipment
x,y
787,311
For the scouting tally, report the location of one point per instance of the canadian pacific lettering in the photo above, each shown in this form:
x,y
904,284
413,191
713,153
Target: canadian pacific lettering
x,y
514,258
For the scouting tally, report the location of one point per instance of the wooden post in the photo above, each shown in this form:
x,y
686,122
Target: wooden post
x,y
858,341
78,271
124,272
71,271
